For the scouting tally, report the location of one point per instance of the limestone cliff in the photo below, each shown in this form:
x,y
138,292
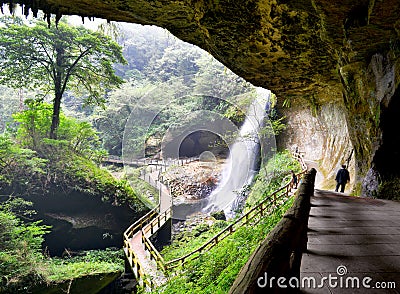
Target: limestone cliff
x,y
335,62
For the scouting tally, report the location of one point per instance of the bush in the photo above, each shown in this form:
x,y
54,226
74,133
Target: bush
x,y
20,250
272,176
20,169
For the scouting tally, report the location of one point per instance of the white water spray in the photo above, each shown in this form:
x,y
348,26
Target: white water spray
x,y
241,163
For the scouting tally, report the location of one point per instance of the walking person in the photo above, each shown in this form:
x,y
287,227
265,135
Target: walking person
x,y
342,177
293,182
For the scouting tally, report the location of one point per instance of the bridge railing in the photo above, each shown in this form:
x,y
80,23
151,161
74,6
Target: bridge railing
x,y
152,221
149,230
266,207
160,163
132,258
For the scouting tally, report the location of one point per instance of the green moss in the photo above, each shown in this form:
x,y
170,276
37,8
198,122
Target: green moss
x,y
390,189
357,189
89,284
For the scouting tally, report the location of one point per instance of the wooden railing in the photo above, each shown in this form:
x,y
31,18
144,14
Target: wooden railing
x,y
149,230
279,255
133,260
152,221
267,206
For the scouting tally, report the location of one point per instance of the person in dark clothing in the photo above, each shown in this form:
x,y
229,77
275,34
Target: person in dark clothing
x,y
293,182
342,178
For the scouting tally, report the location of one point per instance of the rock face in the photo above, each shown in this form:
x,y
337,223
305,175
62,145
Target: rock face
x,y
335,62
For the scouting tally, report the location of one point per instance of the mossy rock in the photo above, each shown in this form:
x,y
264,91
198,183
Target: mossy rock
x,y
87,284
219,215
390,189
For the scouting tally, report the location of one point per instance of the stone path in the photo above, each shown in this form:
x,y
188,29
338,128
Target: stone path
x,y
360,236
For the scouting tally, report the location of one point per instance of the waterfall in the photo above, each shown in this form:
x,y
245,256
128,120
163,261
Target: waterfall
x,y
240,166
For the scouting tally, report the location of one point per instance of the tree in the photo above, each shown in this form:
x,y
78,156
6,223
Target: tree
x,y
33,122
57,59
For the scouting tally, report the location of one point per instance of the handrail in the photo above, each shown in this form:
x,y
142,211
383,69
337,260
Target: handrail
x,y
259,212
152,227
243,220
146,161
150,223
138,225
280,253
136,265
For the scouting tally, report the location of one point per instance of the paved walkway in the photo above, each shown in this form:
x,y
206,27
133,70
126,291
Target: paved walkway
x,y
353,234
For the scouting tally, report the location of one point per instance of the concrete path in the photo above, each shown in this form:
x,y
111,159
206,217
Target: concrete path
x,y
350,239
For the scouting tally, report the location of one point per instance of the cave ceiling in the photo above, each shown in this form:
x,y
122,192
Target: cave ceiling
x,y
294,48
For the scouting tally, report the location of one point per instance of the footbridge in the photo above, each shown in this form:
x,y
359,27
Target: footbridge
x,y
142,257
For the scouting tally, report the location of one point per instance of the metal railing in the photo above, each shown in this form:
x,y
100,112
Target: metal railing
x,y
147,161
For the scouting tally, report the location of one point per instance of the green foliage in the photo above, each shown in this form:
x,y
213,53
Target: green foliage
x,y
272,176
20,169
287,102
22,264
57,59
187,242
276,124
142,189
10,101
20,249
23,172
34,124
389,189
216,270
171,79
314,105
89,263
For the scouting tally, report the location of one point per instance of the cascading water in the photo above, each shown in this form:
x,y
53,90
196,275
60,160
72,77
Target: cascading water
x,y
241,164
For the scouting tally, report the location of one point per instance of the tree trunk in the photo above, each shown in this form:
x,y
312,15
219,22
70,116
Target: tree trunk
x,y
58,90
55,122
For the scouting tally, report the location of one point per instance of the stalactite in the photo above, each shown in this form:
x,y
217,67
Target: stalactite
x,y
25,9
35,12
48,18
58,16
34,8
11,7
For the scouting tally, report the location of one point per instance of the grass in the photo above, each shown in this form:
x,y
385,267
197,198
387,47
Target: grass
x,y
272,176
90,263
187,242
215,271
